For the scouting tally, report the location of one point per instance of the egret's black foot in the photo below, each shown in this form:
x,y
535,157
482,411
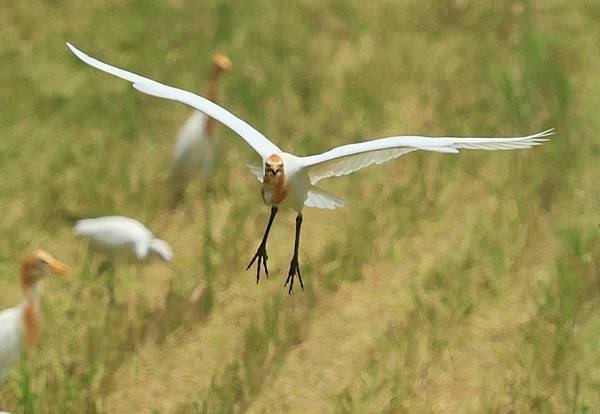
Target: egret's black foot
x,y
261,255
294,270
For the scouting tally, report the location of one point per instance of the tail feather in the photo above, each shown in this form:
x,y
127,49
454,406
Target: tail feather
x,y
257,171
320,198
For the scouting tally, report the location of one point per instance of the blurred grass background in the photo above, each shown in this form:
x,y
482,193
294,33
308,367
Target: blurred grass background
x,y
448,284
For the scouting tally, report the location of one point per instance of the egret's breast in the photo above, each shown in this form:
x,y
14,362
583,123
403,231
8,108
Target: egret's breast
x,y
274,193
267,195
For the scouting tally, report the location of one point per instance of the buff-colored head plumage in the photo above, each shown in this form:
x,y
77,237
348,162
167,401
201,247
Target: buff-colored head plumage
x,y
274,166
39,264
222,62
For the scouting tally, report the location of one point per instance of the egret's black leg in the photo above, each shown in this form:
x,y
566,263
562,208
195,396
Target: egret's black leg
x,y
261,253
109,267
294,266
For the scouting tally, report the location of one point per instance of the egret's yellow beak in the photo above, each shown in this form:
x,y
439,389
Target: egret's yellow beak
x,y
58,268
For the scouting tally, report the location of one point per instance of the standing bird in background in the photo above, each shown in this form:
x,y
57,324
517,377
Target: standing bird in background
x,y
24,320
121,238
289,180
194,151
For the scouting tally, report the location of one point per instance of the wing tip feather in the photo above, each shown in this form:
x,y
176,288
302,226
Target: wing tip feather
x,y
541,135
76,51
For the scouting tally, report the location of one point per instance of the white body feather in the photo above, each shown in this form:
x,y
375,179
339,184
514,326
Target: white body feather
x,y
11,338
303,172
194,152
122,238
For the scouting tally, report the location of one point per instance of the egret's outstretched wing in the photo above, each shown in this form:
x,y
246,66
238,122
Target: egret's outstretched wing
x,y
255,139
349,158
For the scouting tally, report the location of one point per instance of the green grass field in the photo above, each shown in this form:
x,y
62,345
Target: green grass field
x,y
450,283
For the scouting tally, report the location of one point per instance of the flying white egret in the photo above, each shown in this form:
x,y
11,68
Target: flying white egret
x,y
122,238
194,150
289,180
23,322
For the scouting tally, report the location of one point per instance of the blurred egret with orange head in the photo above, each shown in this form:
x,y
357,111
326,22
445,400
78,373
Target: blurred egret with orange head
x,y
194,151
23,322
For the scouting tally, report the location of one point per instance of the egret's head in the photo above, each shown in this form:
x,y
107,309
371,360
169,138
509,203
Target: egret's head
x,y
273,168
38,265
222,62
161,249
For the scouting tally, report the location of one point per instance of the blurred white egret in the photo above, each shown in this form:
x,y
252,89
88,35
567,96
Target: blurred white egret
x,y
122,238
194,151
23,322
289,180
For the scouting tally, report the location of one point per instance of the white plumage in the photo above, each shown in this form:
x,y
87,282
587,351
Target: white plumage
x,y
11,338
193,153
122,238
291,180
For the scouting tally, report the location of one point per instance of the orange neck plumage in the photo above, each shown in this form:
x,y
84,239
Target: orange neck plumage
x,y
274,190
32,322
221,64
31,312
212,96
